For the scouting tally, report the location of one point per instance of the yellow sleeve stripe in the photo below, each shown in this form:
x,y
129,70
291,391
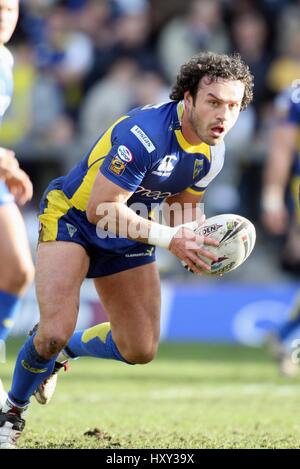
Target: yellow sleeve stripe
x,y
189,148
103,146
192,191
96,159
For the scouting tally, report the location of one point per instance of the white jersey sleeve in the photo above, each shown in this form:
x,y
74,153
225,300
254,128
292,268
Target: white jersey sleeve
x,y
216,164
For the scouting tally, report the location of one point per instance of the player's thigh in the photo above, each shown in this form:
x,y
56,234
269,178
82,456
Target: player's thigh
x,y
132,301
60,270
16,267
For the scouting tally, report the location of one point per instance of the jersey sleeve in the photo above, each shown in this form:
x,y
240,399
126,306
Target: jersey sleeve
x,y
129,158
216,164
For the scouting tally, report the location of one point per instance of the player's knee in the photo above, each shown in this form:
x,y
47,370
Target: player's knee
x,y
49,345
140,355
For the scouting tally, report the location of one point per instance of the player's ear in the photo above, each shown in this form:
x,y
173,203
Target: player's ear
x,y
188,100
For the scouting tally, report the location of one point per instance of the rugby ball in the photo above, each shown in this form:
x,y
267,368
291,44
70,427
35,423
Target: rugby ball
x,y
236,236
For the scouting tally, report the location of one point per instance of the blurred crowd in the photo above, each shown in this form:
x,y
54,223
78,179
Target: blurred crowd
x,y
80,64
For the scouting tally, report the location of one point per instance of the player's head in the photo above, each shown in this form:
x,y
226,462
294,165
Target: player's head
x,y
215,88
9,13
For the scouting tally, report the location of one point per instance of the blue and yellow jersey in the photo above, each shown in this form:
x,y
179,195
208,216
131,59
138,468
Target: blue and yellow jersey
x,y
6,91
144,152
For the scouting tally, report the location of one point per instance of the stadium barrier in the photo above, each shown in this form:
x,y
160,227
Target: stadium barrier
x,y
212,312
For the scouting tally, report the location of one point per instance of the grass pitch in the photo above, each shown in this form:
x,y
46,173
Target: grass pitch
x,y
191,396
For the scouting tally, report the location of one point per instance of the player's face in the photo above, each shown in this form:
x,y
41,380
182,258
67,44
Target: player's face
x,y
214,110
9,12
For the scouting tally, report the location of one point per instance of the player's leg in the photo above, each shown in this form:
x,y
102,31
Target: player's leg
x,y
61,268
135,289
16,267
132,301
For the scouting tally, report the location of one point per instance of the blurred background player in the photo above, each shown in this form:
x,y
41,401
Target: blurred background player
x,y
16,268
280,205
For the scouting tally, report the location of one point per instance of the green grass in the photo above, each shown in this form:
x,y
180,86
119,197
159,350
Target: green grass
x,y
191,396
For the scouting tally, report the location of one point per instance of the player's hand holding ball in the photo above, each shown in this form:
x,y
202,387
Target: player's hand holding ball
x,y
229,239
188,245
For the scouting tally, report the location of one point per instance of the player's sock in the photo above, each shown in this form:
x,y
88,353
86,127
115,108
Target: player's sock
x,y
9,304
94,342
30,371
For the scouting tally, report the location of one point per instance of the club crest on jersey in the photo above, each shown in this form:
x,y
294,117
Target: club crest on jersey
x,y
198,166
124,154
117,166
166,166
71,229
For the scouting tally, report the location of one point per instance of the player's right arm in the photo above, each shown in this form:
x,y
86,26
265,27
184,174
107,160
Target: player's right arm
x,y
107,208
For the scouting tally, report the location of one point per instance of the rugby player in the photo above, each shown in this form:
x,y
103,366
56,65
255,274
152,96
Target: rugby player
x,y
91,226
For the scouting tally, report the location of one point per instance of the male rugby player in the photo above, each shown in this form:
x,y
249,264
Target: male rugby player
x,y
90,226
16,267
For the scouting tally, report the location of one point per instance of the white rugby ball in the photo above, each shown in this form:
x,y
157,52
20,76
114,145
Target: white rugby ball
x,y
236,236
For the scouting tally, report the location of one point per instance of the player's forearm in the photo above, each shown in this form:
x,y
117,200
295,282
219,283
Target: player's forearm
x,y
276,178
278,166
121,220
278,169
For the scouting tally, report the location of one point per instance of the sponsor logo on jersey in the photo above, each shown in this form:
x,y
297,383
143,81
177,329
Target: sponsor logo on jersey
x,y
117,166
166,166
152,194
124,154
143,138
198,166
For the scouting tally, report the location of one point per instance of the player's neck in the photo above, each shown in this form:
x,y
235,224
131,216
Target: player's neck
x,y
188,132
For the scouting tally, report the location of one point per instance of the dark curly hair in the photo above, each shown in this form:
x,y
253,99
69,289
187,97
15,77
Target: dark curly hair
x,y
230,67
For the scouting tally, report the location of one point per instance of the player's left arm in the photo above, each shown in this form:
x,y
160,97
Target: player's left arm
x,y
15,178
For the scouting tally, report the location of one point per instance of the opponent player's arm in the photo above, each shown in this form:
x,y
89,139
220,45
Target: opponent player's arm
x,y
8,162
276,176
15,178
108,210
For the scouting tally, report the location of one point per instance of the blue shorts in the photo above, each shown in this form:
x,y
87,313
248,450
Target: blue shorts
x,y
5,196
59,221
